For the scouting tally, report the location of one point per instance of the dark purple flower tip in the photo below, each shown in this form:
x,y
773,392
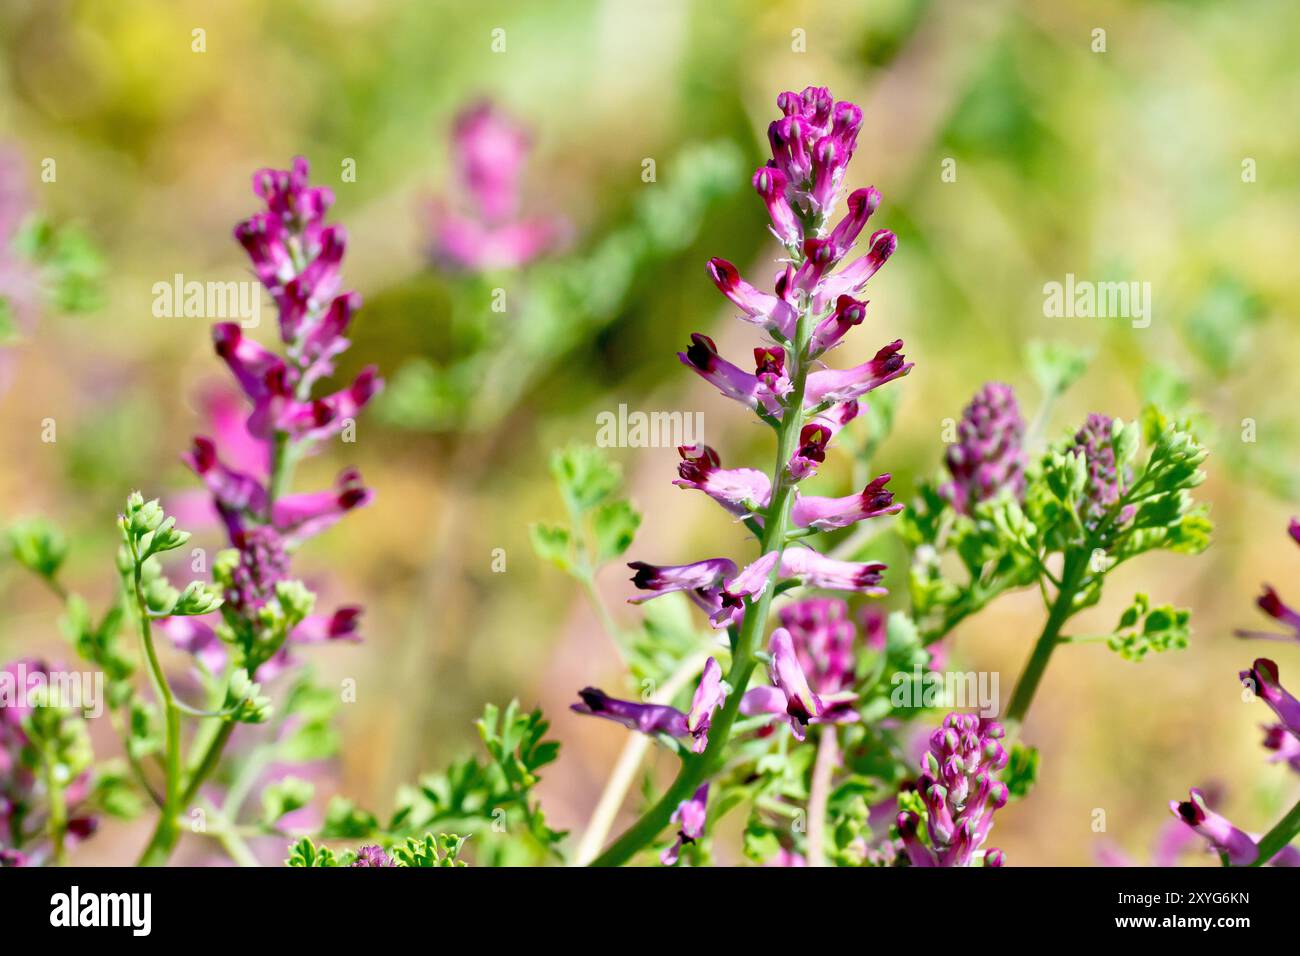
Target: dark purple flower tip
x,y
769,363
889,359
697,462
724,275
875,496
1271,604
1293,529
702,352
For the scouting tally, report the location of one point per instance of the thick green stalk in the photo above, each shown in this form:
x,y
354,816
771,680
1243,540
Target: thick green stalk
x,y
696,768
1273,842
1076,564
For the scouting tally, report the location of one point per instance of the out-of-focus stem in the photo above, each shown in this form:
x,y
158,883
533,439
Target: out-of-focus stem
x,y
828,757
56,824
165,833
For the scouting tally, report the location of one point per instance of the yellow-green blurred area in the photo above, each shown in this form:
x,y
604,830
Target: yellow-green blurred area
x,y
1013,145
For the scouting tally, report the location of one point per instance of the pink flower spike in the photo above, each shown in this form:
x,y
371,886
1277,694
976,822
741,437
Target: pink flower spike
x,y
490,150
827,514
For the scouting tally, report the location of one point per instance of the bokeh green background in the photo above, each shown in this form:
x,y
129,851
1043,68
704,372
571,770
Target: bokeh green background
x,y
1125,164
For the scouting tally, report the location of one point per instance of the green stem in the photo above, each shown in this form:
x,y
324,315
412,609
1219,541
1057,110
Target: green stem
x,y
56,824
165,833
697,767
1273,842
1076,565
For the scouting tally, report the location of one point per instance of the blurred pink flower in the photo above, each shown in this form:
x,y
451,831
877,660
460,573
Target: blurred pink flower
x,y
489,150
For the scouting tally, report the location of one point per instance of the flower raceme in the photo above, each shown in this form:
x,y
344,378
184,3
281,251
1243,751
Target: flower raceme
x,y
297,257
961,794
815,303
988,455
489,151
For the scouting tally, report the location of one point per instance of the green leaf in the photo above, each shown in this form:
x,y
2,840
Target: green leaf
x,y
1163,628
1022,770
38,545
1056,366
613,526
285,796
586,478
552,544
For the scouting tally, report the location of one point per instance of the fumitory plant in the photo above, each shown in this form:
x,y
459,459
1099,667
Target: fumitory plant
x,y
243,625
844,784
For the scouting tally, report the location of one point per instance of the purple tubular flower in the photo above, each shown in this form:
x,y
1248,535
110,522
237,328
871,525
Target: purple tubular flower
x,y
772,312
770,184
1217,831
1271,604
988,455
827,514
690,817
843,385
1105,481
647,718
702,358
372,856
862,204
306,515
814,569
854,277
1284,745
661,579
790,695
960,791
848,312
823,636
808,457
708,698
740,490
1264,680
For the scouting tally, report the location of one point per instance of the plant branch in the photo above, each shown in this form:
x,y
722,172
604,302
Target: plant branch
x,y
697,767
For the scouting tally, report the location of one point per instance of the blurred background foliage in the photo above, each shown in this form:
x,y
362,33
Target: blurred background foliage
x,y
1118,165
